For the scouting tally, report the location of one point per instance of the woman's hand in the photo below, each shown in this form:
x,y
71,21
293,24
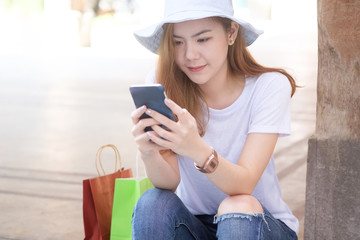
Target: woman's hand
x,y
161,168
145,146
182,136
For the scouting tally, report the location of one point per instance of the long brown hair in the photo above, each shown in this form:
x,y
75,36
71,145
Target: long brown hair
x,y
186,93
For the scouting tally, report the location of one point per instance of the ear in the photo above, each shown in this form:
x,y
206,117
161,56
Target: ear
x,y
233,32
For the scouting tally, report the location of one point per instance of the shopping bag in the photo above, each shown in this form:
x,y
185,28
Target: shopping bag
x,y
126,194
98,194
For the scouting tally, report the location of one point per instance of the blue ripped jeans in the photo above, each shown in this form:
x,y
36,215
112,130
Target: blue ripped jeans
x,y
161,215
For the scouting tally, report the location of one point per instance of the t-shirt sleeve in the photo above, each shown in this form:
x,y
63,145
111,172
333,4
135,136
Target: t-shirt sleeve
x,y
271,110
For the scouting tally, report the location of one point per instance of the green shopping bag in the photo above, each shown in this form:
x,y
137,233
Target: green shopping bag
x,y
127,192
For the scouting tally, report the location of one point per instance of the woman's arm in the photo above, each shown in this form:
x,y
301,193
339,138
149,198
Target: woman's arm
x,y
241,178
162,169
232,179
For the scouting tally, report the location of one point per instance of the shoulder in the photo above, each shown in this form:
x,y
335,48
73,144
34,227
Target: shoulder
x,y
270,78
272,82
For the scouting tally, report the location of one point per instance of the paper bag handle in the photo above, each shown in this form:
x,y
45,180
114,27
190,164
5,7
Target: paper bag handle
x,y
98,158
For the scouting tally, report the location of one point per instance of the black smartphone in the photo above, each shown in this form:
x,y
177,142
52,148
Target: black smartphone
x,y
152,96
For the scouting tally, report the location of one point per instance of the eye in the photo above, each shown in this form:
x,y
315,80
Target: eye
x,y
203,40
176,42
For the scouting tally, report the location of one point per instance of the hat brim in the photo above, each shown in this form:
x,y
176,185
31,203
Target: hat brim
x,y
150,37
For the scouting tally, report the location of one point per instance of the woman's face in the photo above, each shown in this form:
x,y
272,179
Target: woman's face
x,y
201,49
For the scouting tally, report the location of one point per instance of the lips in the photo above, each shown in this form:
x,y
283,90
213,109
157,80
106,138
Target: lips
x,y
196,69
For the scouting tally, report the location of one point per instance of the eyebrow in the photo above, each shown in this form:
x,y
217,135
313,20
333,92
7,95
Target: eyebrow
x,y
196,34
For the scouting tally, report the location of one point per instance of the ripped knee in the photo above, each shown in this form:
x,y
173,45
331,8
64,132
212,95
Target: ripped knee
x,y
240,204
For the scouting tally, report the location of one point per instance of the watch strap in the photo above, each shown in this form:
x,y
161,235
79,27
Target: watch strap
x,y
210,164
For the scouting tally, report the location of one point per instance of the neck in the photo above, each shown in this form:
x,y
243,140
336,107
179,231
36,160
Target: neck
x,y
222,92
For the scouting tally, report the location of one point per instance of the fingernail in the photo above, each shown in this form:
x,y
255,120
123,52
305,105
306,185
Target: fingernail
x,y
167,100
148,112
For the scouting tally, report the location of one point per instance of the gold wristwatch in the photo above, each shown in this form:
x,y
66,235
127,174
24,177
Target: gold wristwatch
x,y
210,164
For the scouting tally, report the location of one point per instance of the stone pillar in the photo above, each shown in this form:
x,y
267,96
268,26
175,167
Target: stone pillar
x,y
333,170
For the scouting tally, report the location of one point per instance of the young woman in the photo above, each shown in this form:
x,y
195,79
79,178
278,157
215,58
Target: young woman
x,y
212,169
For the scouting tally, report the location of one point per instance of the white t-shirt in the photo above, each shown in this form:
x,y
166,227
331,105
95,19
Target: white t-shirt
x,y
262,107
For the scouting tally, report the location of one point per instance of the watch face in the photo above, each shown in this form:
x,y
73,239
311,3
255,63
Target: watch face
x,y
212,164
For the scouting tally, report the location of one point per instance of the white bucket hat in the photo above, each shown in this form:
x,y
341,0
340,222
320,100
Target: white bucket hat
x,y
184,10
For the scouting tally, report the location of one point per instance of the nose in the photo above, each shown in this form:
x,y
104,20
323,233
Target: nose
x,y
191,52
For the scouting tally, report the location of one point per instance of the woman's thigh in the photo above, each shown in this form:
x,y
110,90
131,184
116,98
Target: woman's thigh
x,y
160,214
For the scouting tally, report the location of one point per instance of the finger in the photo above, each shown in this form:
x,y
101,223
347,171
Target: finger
x,y
163,133
136,114
146,145
142,139
139,127
146,142
165,144
181,113
162,119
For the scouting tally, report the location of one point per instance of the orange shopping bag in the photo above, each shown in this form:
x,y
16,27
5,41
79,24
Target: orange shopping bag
x,y
98,194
